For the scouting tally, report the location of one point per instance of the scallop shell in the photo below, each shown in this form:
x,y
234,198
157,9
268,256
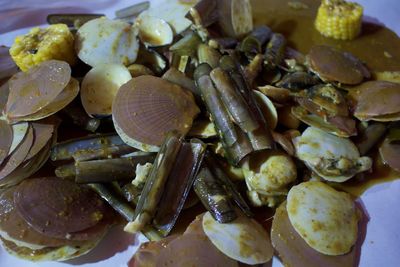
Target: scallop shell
x,y
61,101
6,133
243,239
325,218
33,90
104,41
365,99
333,65
100,86
147,107
154,31
18,156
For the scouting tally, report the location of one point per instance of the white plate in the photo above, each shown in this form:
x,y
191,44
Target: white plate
x,y
382,241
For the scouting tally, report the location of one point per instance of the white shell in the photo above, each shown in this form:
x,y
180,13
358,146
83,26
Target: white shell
x,y
19,132
267,108
325,218
172,11
104,41
154,31
100,85
243,239
333,158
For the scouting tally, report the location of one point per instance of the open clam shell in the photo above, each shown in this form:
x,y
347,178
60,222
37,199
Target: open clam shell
x,y
332,65
4,92
43,133
146,108
334,158
376,100
7,65
154,31
33,90
100,86
103,41
6,133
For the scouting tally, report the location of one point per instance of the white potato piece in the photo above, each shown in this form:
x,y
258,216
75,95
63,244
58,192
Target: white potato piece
x,y
100,86
334,158
243,239
105,41
325,218
154,31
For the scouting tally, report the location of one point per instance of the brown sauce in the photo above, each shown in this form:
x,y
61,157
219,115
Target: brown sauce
x,y
377,46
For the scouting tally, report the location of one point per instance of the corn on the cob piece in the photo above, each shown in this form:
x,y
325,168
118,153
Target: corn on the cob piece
x,y
339,19
54,42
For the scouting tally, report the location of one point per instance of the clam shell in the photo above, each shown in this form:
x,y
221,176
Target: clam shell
x,y
100,86
333,65
6,133
267,108
375,100
33,90
147,107
334,158
19,131
243,239
325,218
294,251
172,11
104,41
61,101
18,156
154,31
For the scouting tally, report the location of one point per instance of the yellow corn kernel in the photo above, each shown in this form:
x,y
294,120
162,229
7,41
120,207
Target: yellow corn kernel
x,y
54,42
339,19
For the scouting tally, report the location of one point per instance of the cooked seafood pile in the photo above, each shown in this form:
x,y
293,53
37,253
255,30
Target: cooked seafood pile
x,y
184,104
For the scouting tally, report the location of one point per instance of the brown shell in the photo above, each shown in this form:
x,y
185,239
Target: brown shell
x,y
333,65
18,229
376,99
4,91
18,156
31,91
6,137
390,153
66,96
294,251
43,132
56,207
147,107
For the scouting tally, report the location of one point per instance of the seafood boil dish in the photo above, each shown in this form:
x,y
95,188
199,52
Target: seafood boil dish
x,y
226,132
